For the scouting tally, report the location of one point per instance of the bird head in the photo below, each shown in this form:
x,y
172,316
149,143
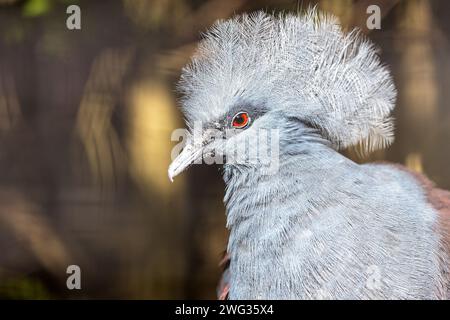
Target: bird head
x,y
301,77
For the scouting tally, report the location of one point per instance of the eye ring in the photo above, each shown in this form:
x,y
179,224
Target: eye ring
x,y
240,120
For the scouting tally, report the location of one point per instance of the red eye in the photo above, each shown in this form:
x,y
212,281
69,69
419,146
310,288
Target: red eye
x,y
240,120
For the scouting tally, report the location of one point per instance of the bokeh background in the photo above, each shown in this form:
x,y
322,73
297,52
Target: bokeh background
x,y
85,124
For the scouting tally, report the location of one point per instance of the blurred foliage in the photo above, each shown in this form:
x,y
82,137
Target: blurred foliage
x,y
34,8
23,288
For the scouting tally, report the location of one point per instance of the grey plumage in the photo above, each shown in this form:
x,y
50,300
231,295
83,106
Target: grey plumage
x,y
321,226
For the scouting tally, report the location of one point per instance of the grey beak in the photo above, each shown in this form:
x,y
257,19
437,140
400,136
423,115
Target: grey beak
x,y
188,156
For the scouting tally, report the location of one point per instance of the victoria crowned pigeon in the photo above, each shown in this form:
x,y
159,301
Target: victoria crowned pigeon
x,y
305,221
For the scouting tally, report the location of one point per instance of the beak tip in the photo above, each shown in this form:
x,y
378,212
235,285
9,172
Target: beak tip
x,y
182,161
169,173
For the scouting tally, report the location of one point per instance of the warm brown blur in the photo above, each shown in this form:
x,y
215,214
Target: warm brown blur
x,y
85,123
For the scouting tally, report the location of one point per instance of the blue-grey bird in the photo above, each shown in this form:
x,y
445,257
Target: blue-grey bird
x,y
306,222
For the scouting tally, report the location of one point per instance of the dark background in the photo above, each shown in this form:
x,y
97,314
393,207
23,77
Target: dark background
x,y
85,124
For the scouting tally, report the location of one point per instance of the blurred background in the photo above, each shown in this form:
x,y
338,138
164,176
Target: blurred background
x,y
85,123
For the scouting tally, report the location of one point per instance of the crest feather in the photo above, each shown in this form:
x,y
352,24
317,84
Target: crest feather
x,y
304,65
